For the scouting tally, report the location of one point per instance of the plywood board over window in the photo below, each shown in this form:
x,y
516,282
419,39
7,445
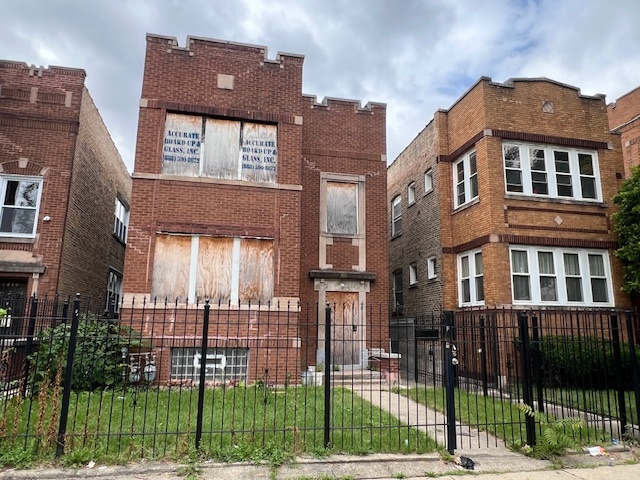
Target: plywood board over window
x,y
221,149
171,267
213,279
259,154
256,270
181,145
342,208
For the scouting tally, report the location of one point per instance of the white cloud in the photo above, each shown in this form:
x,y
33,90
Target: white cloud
x,y
415,55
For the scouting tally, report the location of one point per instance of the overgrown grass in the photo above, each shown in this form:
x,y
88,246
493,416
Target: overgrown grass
x,y
600,402
239,423
499,417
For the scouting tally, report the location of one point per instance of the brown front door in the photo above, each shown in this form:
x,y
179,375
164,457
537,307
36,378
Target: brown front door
x,y
346,328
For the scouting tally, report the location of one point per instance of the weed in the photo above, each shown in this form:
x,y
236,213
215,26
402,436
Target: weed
x,y
430,474
189,471
17,458
77,458
399,475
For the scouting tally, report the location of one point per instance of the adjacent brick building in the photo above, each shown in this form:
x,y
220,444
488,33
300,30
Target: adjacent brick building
x,y
624,118
504,199
62,179
258,198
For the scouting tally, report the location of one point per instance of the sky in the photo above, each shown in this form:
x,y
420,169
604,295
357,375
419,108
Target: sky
x,y
417,56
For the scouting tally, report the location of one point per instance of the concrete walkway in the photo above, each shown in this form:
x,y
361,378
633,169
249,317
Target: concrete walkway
x,y
373,467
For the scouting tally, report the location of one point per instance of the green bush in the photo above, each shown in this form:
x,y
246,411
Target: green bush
x,y
586,362
98,360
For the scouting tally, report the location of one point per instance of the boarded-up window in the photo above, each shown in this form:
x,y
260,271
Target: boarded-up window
x,y
181,145
213,279
221,269
256,270
221,149
171,267
259,153
342,208
228,150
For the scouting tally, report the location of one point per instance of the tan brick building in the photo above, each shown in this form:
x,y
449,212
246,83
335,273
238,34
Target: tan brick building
x,y
63,187
624,119
504,199
258,198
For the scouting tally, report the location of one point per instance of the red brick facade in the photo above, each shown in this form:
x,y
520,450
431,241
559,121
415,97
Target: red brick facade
x,y
51,132
624,118
228,84
532,115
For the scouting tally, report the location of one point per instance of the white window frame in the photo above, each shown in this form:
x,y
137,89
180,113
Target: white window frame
x,y
560,276
396,215
3,189
411,193
121,221
413,274
469,179
552,173
472,278
428,181
431,268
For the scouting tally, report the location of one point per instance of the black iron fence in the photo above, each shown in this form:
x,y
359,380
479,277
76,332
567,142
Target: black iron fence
x,y
160,379
568,366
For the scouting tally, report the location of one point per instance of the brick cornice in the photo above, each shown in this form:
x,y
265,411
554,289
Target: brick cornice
x,y
217,230
522,137
219,112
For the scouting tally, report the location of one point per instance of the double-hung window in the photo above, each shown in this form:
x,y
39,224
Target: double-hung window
x,y
428,181
547,171
470,278
396,216
121,221
411,193
413,274
114,291
20,203
465,179
558,276
398,298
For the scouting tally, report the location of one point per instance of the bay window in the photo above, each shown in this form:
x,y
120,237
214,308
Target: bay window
x,y
465,179
547,171
560,276
470,278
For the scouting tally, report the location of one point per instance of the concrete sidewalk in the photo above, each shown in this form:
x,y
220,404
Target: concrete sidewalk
x,y
374,467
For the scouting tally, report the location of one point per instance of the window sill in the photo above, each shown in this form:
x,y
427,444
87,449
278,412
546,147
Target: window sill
x,y
413,285
17,240
427,192
432,279
411,204
119,239
469,204
564,201
393,237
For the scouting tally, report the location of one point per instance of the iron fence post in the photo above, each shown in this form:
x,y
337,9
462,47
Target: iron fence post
x,y
68,374
634,365
483,358
536,362
449,380
28,349
527,385
203,370
617,360
327,376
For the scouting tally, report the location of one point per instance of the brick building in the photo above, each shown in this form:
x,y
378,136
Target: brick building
x,y
504,199
252,195
62,179
624,118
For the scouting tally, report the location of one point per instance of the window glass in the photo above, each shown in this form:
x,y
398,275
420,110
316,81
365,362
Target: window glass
x,y
411,194
428,181
543,170
396,215
19,206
